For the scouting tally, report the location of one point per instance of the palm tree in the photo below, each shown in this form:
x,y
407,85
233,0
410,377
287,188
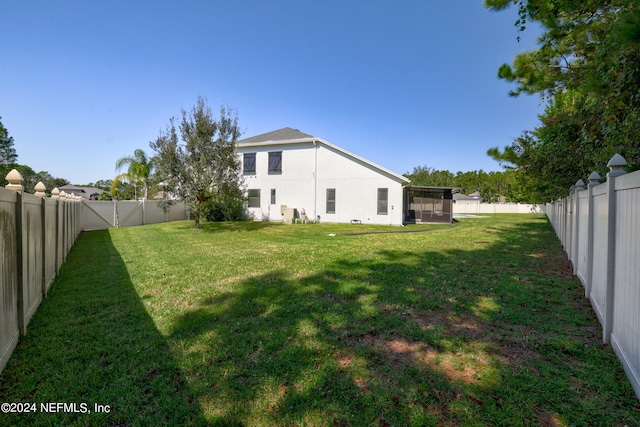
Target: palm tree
x,y
139,168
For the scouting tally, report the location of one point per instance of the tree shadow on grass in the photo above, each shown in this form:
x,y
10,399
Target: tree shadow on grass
x,y
93,342
494,335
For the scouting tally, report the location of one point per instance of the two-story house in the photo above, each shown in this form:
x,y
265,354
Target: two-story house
x,y
319,180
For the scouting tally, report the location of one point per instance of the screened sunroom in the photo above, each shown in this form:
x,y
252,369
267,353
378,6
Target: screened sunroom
x,y
428,204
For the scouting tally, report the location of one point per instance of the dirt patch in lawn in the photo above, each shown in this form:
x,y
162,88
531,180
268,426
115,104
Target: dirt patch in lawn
x,y
399,353
505,342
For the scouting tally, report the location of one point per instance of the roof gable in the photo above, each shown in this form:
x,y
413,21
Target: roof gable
x,y
284,134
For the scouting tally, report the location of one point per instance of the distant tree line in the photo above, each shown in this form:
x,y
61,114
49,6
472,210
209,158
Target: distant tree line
x,y
492,186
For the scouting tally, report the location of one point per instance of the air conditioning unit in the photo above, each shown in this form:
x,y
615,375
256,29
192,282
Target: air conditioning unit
x,y
290,214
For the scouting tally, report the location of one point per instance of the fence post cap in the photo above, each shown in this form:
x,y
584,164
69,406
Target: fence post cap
x,y
55,193
616,166
580,185
14,177
15,180
40,189
594,179
617,161
63,195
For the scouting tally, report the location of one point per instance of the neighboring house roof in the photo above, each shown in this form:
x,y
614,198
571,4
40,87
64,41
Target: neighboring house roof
x,y
85,192
294,136
460,196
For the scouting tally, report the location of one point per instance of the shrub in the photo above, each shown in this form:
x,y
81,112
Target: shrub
x,y
224,209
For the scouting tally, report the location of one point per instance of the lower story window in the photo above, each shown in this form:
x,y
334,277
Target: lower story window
x,y
331,200
254,198
383,201
273,196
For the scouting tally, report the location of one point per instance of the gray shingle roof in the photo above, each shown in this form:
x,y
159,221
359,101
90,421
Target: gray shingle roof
x,y
460,196
284,134
85,192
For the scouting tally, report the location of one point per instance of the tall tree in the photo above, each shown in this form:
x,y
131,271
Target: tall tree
x,y
123,190
425,175
103,184
8,155
139,169
587,67
203,165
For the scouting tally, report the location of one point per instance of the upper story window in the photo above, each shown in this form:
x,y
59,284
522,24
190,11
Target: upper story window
x,y
249,164
275,162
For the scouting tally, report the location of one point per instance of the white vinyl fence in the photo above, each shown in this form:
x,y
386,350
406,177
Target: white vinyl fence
x,y
599,227
477,208
37,234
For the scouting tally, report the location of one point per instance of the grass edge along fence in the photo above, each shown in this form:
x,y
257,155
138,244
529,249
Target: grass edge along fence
x,y
599,228
38,233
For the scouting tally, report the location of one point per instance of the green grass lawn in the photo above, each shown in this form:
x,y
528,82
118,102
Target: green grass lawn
x,y
255,324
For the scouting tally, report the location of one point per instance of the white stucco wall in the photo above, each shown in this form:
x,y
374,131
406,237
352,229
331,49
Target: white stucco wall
x,y
356,185
308,170
294,187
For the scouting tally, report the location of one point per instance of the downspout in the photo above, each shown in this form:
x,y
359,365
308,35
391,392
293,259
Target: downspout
x,y
315,181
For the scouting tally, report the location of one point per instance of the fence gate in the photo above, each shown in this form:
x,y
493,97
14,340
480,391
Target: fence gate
x,y
98,215
129,213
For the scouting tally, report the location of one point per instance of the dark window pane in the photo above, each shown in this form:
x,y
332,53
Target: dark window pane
x,y
254,198
331,200
275,162
249,164
383,201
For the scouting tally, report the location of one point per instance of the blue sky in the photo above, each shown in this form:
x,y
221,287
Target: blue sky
x,y
404,83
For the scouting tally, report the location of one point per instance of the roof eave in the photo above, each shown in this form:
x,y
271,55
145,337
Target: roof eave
x,y
267,143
